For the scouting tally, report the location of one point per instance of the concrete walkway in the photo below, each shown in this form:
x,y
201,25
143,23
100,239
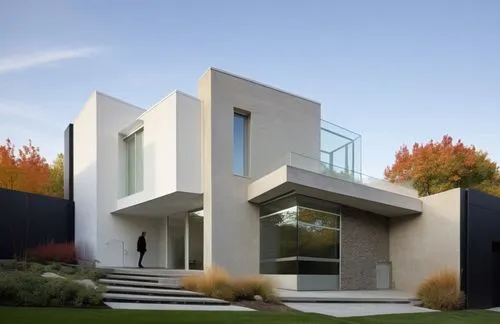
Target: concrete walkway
x,y
357,309
367,296
182,307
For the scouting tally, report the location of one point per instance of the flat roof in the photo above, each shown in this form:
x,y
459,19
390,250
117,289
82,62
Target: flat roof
x,y
261,84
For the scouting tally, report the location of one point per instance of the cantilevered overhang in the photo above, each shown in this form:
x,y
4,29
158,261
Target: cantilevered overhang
x,y
290,179
162,206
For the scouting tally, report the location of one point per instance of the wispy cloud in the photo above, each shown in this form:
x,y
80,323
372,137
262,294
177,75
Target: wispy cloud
x,y
27,115
36,59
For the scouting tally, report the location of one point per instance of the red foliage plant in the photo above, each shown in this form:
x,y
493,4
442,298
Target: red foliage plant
x,y
53,252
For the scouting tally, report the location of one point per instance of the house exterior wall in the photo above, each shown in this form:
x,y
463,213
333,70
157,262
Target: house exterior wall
x,y
188,148
364,243
172,150
423,244
112,115
85,180
279,123
189,139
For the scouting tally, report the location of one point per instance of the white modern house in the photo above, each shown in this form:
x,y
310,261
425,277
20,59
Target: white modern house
x,y
250,178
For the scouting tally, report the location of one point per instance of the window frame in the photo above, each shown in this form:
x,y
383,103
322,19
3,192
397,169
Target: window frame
x,y
245,116
138,178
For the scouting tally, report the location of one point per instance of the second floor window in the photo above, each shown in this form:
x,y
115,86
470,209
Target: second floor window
x,y
135,163
240,144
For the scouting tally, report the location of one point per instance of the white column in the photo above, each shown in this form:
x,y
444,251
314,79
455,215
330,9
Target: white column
x,y
186,242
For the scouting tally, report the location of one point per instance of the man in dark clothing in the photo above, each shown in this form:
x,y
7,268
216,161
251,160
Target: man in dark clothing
x,y
141,247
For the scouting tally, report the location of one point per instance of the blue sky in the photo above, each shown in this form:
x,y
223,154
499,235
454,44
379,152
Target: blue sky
x,y
394,71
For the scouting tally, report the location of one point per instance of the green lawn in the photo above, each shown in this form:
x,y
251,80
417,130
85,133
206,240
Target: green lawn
x,y
106,316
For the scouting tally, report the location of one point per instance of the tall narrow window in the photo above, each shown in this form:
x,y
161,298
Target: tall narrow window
x,y
135,165
240,144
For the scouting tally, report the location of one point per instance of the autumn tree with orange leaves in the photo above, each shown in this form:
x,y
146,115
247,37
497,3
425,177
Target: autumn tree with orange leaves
x,y
439,166
28,171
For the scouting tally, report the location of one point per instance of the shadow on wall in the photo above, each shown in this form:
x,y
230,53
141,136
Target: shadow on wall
x,y
85,196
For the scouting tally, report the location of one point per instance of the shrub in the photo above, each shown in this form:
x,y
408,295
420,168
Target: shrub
x,y
441,291
53,252
89,273
8,265
217,283
8,289
30,289
69,270
247,288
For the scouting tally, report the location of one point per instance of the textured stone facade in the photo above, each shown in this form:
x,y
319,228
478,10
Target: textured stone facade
x,y
364,243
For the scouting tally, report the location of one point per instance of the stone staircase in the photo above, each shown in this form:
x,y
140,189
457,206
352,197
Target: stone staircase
x,y
151,286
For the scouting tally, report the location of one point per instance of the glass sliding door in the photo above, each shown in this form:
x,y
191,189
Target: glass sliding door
x,y
185,240
195,224
176,241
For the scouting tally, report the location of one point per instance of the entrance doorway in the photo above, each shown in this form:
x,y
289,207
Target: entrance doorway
x,y
185,241
195,242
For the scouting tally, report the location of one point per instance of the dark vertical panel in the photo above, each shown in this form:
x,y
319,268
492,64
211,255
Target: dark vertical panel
x,y
483,229
464,205
28,220
495,270
68,162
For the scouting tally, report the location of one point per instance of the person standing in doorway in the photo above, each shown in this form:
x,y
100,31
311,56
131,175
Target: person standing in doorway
x,y
141,247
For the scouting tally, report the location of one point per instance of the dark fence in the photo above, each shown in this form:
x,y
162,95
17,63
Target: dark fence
x,y
28,220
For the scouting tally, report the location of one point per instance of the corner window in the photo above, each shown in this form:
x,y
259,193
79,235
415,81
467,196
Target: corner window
x,y
240,144
134,162
300,235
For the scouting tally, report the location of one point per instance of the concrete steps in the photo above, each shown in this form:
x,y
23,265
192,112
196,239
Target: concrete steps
x,y
131,283
151,291
151,286
165,273
177,307
132,277
163,299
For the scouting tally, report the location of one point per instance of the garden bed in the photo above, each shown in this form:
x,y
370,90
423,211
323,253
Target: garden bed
x,y
53,284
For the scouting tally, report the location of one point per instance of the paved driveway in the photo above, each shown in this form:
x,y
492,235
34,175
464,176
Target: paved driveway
x,y
356,309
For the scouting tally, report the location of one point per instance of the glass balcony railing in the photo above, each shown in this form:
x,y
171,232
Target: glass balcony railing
x,y
340,146
344,173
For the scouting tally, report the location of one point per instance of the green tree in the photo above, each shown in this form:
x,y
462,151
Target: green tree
x,y
56,182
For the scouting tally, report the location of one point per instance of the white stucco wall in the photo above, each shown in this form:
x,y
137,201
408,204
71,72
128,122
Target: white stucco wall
x,y
112,115
85,180
421,245
172,149
172,163
189,139
279,123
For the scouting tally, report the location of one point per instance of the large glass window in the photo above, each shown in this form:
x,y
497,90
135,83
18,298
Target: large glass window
x,y
134,162
300,235
240,144
279,235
